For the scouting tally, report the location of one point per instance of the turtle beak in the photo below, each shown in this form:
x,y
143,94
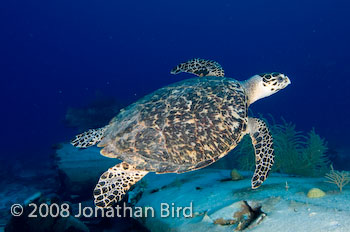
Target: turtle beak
x,y
284,82
288,80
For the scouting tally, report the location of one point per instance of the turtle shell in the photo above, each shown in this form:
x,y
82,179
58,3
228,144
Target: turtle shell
x,y
181,127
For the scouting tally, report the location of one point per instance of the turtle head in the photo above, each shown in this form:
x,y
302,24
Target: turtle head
x,y
264,85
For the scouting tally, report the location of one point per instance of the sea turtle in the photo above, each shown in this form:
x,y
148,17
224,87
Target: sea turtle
x,y
183,127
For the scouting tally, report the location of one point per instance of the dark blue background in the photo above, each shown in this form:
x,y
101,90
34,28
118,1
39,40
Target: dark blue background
x,y
56,54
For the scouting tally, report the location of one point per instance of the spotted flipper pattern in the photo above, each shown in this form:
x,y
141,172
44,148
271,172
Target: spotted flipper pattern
x,y
200,67
264,152
89,138
114,183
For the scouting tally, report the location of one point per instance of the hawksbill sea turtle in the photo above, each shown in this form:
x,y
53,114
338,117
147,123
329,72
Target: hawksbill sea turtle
x,y
182,127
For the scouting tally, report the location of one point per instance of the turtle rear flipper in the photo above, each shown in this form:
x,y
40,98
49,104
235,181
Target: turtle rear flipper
x,y
114,183
200,67
263,147
89,138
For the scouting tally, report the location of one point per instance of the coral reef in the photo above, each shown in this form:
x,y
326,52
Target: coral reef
x,y
295,153
338,178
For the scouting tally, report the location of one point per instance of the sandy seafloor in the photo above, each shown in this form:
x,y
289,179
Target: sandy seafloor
x,y
287,210
212,198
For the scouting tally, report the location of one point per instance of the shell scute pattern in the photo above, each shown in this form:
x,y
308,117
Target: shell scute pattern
x,y
181,127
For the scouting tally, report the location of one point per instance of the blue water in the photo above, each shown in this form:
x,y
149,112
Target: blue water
x,y
57,54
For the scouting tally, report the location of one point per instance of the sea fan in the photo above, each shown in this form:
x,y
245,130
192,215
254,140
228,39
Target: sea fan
x,y
315,161
295,153
244,154
338,178
288,144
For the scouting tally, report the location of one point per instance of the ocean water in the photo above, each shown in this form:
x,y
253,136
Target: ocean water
x,y
57,55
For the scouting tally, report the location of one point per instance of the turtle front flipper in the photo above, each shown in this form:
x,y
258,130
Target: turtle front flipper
x,y
200,67
114,183
263,147
89,138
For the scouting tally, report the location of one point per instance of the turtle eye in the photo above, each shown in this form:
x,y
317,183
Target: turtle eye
x,y
280,79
